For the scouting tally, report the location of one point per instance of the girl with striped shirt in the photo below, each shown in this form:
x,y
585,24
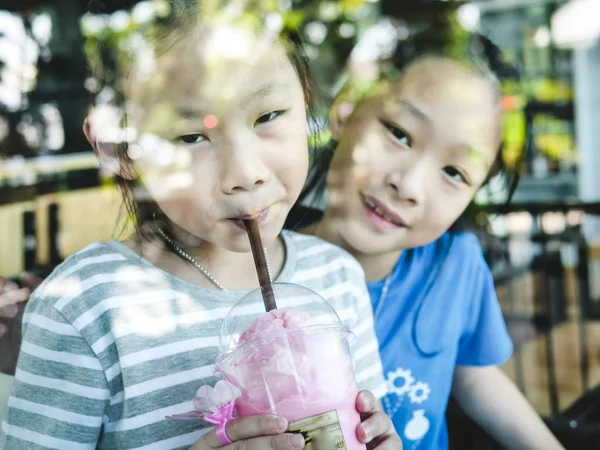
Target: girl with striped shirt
x,y
123,333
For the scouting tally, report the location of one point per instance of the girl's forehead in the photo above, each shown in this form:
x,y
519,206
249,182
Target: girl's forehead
x,y
446,79
221,63
439,85
206,51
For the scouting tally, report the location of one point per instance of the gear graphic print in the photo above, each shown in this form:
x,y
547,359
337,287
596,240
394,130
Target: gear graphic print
x,y
419,392
400,382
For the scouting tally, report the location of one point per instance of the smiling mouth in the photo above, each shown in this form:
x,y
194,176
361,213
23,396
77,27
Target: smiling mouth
x,y
382,217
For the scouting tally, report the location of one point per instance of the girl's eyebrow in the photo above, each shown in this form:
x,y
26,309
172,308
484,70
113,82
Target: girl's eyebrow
x,y
196,110
266,89
474,154
471,152
190,112
413,110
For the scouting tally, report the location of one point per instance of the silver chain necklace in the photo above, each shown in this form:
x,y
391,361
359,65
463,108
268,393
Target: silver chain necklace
x,y
387,406
197,265
383,295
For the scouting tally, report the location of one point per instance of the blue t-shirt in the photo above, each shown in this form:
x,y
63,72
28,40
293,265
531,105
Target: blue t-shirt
x,y
423,337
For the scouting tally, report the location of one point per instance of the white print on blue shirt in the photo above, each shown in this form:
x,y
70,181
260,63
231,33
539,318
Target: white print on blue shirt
x,y
401,385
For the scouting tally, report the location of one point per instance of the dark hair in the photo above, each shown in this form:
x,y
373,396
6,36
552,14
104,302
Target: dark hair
x,y
168,31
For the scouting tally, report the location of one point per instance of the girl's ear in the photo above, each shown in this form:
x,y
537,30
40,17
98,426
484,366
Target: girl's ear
x,y
339,113
107,153
87,131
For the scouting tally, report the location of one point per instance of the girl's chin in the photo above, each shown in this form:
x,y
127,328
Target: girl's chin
x,y
368,242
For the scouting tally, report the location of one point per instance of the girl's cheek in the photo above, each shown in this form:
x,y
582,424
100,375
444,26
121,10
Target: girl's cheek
x,y
361,175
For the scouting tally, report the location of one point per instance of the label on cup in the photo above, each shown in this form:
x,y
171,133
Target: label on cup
x,y
321,432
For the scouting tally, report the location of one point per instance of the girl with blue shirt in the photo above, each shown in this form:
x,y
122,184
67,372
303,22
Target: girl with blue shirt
x,y
418,132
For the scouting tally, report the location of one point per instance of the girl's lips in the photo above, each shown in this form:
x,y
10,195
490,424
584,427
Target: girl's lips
x,y
380,216
239,221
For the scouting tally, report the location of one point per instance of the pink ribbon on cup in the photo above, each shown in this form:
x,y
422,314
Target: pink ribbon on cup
x,y
220,419
214,405
222,416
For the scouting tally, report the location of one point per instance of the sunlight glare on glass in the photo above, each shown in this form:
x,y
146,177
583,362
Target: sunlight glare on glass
x,y
210,121
468,17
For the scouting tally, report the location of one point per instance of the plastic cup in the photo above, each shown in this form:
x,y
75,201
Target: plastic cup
x,y
294,362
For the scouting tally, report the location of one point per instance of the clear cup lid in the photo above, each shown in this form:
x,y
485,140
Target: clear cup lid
x,y
297,307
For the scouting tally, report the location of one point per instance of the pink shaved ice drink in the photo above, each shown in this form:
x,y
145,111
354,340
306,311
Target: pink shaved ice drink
x,y
295,363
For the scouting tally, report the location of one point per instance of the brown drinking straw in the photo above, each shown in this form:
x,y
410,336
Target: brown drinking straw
x,y
261,264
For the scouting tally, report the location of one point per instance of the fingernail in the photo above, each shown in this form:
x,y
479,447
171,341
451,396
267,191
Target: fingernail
x,y
368,431
280,423
296,441
366,400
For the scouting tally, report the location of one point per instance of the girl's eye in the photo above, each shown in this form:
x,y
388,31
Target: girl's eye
x,y
269,117
399,134
455,174
190,139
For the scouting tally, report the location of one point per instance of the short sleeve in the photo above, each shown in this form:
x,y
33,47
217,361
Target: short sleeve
x,y
485,340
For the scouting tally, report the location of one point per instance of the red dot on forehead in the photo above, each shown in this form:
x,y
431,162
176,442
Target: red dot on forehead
x,y
210,121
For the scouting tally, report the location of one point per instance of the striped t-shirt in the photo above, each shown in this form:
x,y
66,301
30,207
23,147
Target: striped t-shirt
x,y
112,345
